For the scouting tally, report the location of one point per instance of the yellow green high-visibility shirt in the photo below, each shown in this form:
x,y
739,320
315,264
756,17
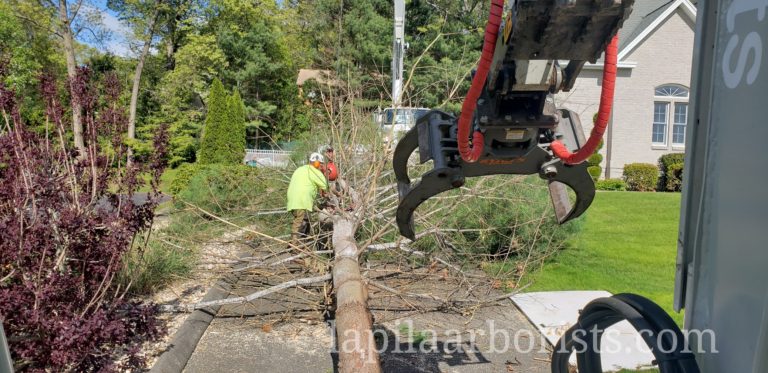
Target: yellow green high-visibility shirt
x,y
302,190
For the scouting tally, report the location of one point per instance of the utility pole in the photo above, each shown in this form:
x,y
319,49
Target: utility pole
x,y
398,50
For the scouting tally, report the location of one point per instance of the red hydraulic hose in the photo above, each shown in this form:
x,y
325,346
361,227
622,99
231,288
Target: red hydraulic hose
x,y
604,113
470,153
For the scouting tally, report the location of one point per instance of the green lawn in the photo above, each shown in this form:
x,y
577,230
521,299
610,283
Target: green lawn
x,y
627,244
165,180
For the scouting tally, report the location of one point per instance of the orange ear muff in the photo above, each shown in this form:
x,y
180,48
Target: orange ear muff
x,y
331,172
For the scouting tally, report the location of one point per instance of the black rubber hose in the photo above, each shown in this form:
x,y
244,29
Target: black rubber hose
x,y
661,321
658,330
597,316
576,335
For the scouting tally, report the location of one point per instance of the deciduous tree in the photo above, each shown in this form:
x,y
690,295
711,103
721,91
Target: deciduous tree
x,y
143,15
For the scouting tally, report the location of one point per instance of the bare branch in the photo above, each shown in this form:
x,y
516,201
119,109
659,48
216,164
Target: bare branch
x,y
248,298
227,222
281,261
77,10
36,24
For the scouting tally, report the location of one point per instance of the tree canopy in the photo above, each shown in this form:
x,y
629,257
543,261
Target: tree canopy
x,y
256,49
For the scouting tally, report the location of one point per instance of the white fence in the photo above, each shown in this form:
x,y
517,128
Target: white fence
x,y
267,157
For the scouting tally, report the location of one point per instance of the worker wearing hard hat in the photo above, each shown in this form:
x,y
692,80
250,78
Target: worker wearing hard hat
x,y
329,168
302,192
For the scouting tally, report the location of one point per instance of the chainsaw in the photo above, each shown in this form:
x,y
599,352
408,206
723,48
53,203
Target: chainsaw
x,y
509,122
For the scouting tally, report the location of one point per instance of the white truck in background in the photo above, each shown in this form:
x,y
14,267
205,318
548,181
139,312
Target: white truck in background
x,y
396,120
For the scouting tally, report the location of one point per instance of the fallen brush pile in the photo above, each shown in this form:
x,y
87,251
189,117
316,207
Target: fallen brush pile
x,y
475,245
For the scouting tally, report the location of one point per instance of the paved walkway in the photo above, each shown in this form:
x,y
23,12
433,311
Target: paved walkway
x,y
285,331
245,345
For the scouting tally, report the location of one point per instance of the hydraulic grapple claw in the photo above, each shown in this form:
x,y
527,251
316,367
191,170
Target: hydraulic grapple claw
x,y
435,137
444,176
411,196
510,122
578,179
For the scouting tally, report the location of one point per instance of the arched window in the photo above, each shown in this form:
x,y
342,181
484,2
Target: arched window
x,y
670,107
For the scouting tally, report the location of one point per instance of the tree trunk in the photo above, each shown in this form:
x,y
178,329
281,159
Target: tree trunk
x,y
137,83
171,42
170,50
69,53
354,334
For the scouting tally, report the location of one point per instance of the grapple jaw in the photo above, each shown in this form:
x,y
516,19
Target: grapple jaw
x,y
435,137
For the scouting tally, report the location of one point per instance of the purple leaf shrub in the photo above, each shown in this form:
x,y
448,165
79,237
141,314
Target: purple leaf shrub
x,y
67,221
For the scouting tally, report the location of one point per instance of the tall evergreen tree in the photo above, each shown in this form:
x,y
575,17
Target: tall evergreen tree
x,y
235,134
214,140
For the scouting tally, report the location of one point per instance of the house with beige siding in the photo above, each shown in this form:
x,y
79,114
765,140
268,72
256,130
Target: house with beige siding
x,y
650,110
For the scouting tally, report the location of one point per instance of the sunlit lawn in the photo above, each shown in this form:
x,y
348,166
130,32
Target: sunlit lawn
x,y
165,180
627,244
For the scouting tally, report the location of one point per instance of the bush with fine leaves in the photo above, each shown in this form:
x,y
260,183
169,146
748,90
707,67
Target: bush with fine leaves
x,y
671,166
674,177
615,185
641,177
184,174
594,169
512,216
225,190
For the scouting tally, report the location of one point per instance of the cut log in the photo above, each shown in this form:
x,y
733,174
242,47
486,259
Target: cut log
x,y
354,324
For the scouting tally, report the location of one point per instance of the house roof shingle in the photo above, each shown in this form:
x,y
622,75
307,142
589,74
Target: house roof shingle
x,y
644,12
321,76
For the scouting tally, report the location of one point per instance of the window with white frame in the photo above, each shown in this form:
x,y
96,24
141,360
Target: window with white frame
x,y
670,114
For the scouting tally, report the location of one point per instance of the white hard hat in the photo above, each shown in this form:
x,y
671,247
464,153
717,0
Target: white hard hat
x,y
316,157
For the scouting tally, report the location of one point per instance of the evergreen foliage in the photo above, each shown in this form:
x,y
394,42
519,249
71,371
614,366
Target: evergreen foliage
x,y
674,177
259,48
213,146
223,139
235,133
594,160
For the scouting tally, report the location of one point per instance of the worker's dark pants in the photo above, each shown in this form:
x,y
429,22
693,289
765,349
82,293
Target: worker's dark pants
x,y
300,226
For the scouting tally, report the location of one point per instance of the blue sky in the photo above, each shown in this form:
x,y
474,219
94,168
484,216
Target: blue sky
x,y
118,41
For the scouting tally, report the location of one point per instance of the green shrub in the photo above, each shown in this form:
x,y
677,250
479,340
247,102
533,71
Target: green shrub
x,y
227,189
641,177
666,162
518,210
184,174
595,159
674,177
156,265
235,135
595,172
669,159
611,184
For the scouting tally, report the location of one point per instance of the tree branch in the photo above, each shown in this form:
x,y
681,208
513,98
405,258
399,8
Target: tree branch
x,y
281,261
248,298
